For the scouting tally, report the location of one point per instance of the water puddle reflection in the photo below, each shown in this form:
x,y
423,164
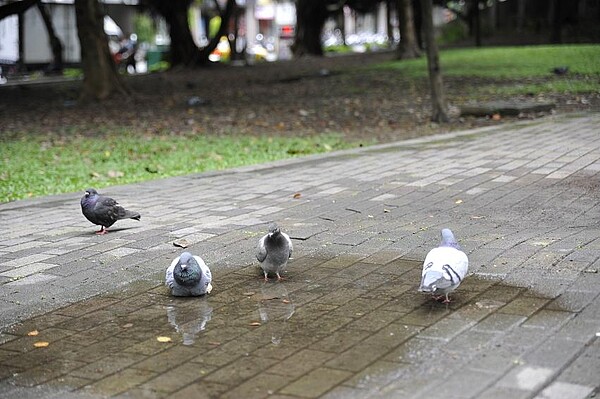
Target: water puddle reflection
x,y
189,320
335,325
274,309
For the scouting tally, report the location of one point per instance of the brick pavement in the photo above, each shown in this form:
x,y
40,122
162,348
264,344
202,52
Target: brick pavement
x,y
347,322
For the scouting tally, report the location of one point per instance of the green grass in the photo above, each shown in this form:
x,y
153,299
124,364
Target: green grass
x,y
31,166
508,62
516,64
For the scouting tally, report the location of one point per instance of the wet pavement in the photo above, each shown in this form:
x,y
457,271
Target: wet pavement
x,y
88,316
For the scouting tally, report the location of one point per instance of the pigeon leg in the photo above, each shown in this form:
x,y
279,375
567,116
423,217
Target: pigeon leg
x,y
279,277
102,231
447,300
266,276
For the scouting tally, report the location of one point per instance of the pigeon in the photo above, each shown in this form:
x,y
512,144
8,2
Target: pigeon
x,y
444,268
188,275
561,70
274,250
103,211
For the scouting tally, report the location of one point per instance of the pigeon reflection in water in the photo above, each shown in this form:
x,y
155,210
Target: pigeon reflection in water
x,y
275,308
189,317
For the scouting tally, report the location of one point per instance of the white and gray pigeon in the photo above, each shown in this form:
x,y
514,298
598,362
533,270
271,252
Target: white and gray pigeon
x,y
103,211
444,267
273,251
188,275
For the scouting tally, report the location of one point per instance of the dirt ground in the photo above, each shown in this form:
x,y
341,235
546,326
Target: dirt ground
x,y
300,97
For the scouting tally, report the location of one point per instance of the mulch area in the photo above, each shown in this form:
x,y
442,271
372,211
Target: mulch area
x,y
307,96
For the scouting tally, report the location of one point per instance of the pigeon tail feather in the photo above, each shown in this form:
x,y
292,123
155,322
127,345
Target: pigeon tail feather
x,y
132,215
434,280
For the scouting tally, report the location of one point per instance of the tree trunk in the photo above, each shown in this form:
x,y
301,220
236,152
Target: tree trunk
x,y
310,19
408,47
521,7
55,44
17,7
418,19
556,29
438,101
476,22
101,78
183,50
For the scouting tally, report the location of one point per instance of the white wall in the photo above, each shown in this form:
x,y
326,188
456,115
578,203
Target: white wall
x,y
36,43
9,39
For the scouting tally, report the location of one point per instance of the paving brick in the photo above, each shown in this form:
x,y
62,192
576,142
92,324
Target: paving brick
x,y
524,322
316,383
564,390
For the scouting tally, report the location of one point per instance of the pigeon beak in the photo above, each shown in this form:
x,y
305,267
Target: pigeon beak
x,y
183,266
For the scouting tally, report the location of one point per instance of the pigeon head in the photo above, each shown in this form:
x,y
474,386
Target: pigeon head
x,y
89,198
90,192
187,271
274,230
186,259
448,239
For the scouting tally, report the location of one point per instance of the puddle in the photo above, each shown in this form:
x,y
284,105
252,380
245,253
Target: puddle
x,y
335,325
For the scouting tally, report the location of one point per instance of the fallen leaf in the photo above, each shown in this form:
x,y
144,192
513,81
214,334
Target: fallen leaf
x,y
297,195
285,301
163,339
41,344
249,293
33,333
255,324
477,217
182,243
128,325
459,201
115,173
496,117
215,343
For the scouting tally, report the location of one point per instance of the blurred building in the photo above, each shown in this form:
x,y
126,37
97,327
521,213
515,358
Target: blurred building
x,y
24,39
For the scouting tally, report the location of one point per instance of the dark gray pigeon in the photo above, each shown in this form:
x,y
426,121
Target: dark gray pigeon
x,y
103,211
188,275
274,250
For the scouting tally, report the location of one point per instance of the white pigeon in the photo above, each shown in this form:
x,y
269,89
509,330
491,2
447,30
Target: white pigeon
x,y
274,250
188,275
444,268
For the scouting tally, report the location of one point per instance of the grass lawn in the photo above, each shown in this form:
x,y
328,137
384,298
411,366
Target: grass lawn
x,y
33,166
527,64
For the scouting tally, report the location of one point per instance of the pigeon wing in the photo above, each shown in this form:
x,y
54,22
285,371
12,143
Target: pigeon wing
x,y
444,267
206,275
289,243
106,211
261,250
169,278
